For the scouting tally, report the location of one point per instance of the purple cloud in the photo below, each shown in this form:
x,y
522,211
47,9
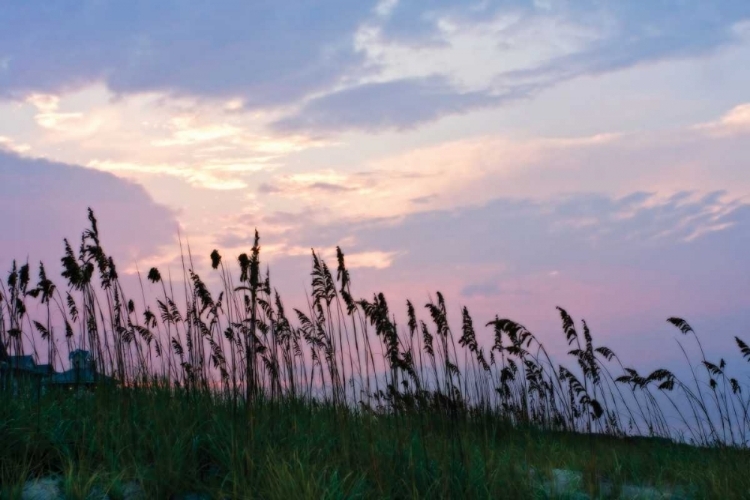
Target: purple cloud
x,y
45,202
272,55
264,52
400,104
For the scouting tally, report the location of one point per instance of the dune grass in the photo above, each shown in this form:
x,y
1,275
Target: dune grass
x,y
232,395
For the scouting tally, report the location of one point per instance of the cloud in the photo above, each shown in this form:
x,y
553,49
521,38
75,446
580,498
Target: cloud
x,y
8,144
185,135
256,51
47,202
634,33
237,231
469,172
736,121
333,188
215,176
310,57
628,30
418,24
545,236
420,200
266,188
148,135
523,47
46,103
310,184
491,289
59,121
373,259
400,105
475,170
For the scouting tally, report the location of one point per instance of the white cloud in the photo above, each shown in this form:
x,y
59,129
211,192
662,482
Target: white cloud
x,y
185,133
196,177
475,53
385,7
55,196
374,259
735,121
61,122
152,134
9,144
46,103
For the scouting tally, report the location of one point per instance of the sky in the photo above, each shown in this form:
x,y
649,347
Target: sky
x,y
515,155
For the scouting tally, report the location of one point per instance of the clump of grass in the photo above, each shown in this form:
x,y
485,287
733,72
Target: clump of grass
x,y
233,394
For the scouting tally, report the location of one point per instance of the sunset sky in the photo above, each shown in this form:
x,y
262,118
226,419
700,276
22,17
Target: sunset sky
x,y
514,155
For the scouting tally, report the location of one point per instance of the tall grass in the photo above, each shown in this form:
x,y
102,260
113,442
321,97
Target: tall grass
x,y
241,351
